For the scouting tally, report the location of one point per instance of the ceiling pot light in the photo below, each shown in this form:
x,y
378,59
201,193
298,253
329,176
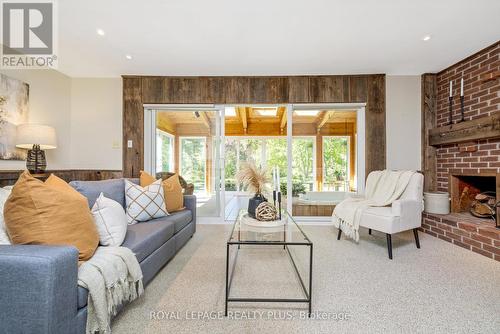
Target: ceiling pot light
x,y
426,38
100,32
129,57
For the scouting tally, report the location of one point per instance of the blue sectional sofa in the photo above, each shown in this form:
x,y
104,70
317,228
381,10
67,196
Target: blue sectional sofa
x,y
38,284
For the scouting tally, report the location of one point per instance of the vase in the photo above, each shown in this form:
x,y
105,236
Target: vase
x,y
254,202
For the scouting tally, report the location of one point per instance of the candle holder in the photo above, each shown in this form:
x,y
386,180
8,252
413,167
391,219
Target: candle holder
x,y
462,109
450,99
279,204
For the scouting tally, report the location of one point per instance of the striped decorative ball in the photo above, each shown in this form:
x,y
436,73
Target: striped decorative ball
x,y
266,212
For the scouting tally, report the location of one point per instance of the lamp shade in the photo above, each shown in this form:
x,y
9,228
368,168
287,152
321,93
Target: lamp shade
x,y
36,134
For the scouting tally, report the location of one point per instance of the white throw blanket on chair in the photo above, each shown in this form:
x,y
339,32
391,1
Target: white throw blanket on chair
x,y
112,276
382,188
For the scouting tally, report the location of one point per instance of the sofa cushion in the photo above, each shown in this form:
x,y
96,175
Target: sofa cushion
x,y
144,203
172,190
144,238
113,189
111,221
4,238
180,219
50,213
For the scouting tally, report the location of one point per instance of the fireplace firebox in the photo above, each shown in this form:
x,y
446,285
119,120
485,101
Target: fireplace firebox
x,y
464,187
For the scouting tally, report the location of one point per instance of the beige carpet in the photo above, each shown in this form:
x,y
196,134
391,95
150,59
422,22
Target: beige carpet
x,y
440,288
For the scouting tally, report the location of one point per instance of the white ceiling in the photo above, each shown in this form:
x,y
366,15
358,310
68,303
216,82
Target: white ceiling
x,y
266,37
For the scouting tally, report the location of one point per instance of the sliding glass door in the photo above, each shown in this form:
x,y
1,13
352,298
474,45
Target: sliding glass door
x,y
318,150
324,169
187,140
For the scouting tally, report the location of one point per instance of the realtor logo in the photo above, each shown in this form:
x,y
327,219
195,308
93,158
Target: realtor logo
x,y
28,30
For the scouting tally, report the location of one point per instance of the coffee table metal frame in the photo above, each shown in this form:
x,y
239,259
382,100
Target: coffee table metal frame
x,y
229,273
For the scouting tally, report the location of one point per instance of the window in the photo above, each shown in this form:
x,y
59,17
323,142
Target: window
x,y
336,163
265,152
231,163
251,150
303,164
164,151
193,161
276,156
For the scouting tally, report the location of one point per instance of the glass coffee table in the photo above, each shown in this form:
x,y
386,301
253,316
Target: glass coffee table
x,y
289,237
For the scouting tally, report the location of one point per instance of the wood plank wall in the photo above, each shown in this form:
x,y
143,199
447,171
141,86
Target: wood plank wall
x,y
139,90
429,120
9,177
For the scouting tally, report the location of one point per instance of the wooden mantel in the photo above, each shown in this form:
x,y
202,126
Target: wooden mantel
x,y
481,128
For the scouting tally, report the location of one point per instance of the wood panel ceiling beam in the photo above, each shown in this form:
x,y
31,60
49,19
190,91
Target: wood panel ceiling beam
x,y
242,114
283,120
205,119
322,119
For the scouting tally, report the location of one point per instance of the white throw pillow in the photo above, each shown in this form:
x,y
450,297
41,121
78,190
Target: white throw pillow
x,y
146,203
110,220
4,194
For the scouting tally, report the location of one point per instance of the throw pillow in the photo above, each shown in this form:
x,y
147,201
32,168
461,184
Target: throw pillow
x,y
50,213
4,238
111,221
144,203
172,189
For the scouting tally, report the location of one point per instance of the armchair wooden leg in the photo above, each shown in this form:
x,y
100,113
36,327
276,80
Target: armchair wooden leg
x,y
389,245
340,233
370,231
415,233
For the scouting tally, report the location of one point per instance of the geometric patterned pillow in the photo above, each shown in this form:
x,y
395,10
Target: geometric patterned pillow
x,y
146,203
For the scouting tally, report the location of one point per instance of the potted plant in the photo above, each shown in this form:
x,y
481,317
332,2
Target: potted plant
x,y
254,179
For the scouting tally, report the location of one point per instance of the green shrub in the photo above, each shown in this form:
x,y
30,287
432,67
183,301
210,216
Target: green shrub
x,y
230,185
297,188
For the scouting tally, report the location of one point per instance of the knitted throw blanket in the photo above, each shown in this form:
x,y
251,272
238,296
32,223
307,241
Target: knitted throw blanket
x,y
382,188
112,276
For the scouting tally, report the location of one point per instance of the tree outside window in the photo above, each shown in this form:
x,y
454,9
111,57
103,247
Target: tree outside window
x,y
335,163
193,161
303,162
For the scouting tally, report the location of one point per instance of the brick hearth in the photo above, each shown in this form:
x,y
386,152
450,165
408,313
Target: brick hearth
x,y
461,229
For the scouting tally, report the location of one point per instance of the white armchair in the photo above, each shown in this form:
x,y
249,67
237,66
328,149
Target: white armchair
x,y
404,214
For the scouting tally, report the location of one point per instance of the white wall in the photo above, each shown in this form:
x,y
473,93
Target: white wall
x,y
49,103
403,121
96,123
87,116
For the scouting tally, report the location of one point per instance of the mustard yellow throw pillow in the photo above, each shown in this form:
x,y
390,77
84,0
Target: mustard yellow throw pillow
x,y
172,190
50,213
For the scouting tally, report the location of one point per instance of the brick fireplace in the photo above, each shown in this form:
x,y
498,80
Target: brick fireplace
x,y
464,187
467,167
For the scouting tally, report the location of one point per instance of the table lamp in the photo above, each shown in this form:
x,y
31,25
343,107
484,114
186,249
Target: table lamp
x,y
36,138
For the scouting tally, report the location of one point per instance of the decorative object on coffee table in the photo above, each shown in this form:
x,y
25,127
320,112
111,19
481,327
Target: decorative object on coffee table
x,y
36,138
277,189
259,225
254,179
266,212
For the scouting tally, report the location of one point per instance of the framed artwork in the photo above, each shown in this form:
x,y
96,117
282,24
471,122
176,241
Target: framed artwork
x,y
14,109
